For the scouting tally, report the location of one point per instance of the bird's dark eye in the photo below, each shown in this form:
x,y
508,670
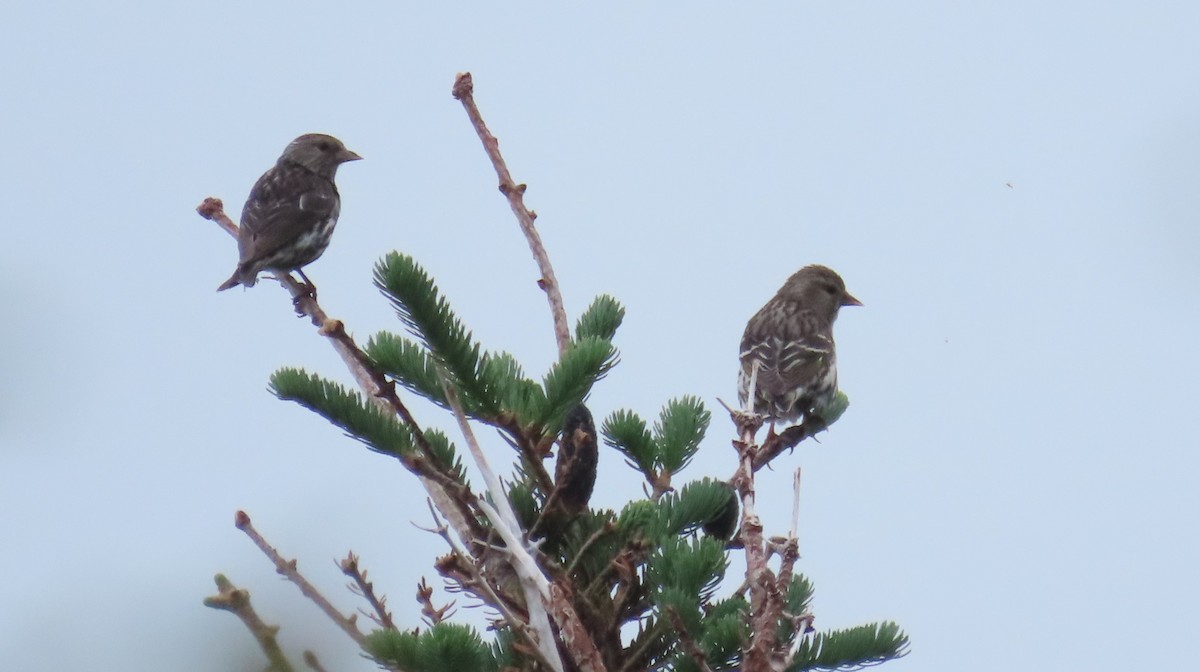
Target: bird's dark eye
x,y
324,146
831,290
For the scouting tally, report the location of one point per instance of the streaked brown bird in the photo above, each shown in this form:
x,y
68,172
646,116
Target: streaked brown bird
x,y
790,340
291,212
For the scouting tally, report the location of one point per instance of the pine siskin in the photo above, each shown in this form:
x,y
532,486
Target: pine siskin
x,y
291,212
791,341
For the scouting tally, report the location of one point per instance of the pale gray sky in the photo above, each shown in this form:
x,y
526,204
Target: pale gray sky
x,y
1008,186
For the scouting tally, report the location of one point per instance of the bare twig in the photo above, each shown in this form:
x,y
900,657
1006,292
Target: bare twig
x,y
237,600
433,615
464,91
288,569
366,588
475,581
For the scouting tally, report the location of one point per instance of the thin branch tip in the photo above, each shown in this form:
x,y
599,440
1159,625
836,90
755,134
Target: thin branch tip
x,y
210,207
463,85
514,193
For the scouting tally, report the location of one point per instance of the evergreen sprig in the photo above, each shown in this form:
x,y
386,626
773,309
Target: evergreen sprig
x,y
852,648
695,504
600,320
522,495
677,435
571,378
504,380
408,363
796,600
598,555
799,594
429,317
362,421
694,567
646,518
679,431
446,647
626,432
724,633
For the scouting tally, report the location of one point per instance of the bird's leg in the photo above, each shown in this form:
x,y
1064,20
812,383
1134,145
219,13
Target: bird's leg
x,y
309,287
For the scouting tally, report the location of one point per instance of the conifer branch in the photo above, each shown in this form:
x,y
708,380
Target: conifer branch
x,y
464,92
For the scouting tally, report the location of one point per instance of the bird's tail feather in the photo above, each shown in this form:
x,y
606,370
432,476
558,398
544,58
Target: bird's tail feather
x,y
238,278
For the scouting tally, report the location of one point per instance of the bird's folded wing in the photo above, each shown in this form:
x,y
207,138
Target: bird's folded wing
x,y
786,364
277,213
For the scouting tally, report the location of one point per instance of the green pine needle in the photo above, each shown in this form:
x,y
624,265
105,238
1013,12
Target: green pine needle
x,y
799,595
524,503
409,364
360,420
446,647
682,602
600,320
723,637
851,648
429,317
695,504
446,456
505,381
627,432
679,431
570,379
694,567
643,517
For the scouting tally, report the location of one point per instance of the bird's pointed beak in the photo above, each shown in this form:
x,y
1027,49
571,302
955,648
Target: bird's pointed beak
x,y
849,300
347,155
